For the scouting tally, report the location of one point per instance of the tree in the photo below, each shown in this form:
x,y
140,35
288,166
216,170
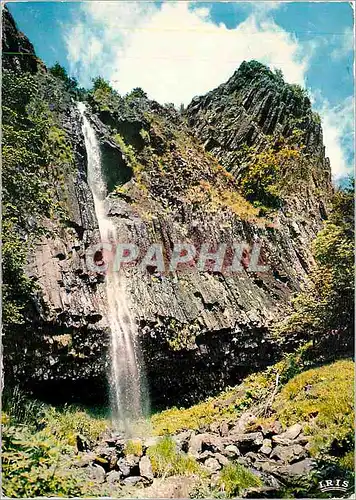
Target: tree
x,y
325,308
60,72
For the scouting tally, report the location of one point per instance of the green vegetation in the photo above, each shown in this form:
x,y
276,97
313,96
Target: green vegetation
x,y
213,199
324,310
39,447
167,461
323,398
136,93
36,155
58,71
34,464
102,96
234,478
267,177
133,447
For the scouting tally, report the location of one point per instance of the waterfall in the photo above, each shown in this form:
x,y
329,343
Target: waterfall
x,y
129,396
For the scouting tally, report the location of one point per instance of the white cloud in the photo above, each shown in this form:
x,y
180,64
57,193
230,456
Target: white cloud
x,y
345,44
338,130
175,52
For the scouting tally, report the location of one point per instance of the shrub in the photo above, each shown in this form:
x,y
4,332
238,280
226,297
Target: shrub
x,y
234,478
71,421
34,465
167,461
133,447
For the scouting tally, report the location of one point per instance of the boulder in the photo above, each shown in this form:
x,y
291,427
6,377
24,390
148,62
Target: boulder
x,y
206,454
231,451
293,431
266,447
182,439
262,492
271,428
291,434
151,441
84,459
97,473
106,457
202,442
288,454
113,477
145,467
221,459
245,442
132,480
285,473
123,467
212,464
244,420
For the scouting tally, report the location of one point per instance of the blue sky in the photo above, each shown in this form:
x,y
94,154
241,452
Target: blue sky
x,y
176,50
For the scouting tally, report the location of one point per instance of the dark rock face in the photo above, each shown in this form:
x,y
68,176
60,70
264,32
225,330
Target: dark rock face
x,y
17,51
252,104
66,341
199,330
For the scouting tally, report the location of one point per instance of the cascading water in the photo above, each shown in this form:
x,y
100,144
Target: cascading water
x,y
129,396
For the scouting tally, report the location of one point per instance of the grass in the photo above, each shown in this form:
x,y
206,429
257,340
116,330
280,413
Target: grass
x,y
167,461
323,399
234,478
39,447
71,421
133,447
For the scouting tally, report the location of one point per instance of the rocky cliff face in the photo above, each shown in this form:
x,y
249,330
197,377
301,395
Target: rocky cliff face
x,y
168,181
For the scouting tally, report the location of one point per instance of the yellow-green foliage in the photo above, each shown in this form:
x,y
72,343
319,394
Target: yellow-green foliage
x,y
234,478
227,406
167,461
137,167
268,176
323,398
34,464
39,447
66,424
133,447
213,198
